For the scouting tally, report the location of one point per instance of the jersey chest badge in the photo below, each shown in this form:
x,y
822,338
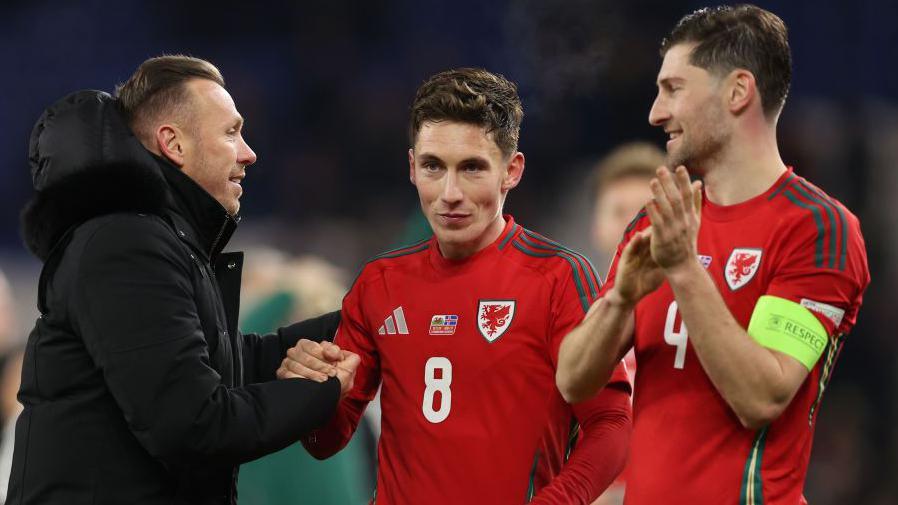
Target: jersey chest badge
x,y
705,260
494,317
443,324
742,266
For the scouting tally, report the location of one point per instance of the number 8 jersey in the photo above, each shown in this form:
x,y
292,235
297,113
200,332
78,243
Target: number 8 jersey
x,y
466,353
792,242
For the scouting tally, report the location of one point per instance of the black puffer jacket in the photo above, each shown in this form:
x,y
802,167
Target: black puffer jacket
x,y
137,385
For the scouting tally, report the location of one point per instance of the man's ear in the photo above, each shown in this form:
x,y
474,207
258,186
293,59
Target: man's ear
x,y
514,171
170,140
411,166
742,90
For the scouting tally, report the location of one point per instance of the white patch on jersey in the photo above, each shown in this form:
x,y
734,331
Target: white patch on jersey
x,y
704,260
742,266
494,317
834,314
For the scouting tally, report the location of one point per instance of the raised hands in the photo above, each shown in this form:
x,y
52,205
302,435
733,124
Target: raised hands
x,y
671,240
318,361
675,213
637,273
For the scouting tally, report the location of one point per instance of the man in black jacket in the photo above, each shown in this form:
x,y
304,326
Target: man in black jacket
x,y
137,385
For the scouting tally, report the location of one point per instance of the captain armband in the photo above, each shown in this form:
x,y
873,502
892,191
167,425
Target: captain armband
x,y
787,327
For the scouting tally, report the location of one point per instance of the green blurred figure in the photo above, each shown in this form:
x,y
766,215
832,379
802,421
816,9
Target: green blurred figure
x,y
276,290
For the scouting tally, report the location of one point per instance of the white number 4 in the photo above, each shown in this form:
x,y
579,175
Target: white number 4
x,y
440,385
676,338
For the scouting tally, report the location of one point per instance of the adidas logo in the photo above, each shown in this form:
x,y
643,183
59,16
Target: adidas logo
x,y
394,324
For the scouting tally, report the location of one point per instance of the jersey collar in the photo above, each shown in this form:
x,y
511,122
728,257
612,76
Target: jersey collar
x,y
492,251
714,212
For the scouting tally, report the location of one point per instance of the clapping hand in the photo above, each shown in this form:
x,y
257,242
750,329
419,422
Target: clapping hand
x,y
637,273
675,212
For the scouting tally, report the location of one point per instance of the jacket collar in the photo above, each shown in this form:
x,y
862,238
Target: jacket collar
x,y
199,219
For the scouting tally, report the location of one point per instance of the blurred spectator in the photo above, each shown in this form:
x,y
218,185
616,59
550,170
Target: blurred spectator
x,y
620,188
276,290
9,327
10,373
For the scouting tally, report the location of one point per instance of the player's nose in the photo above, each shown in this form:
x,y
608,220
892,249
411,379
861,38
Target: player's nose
x,y
451,192
659,112
246,156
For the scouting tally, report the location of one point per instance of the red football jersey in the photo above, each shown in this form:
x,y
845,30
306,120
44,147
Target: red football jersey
x,y
466,352
688,446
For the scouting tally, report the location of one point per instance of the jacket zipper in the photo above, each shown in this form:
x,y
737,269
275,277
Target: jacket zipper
x,y
218,237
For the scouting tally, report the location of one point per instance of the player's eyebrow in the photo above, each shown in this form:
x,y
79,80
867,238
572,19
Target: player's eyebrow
x,y
669,80
429,157
471,160
475,160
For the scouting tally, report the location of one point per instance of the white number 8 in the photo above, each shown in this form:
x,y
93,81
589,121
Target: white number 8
x,y
677,338
433,385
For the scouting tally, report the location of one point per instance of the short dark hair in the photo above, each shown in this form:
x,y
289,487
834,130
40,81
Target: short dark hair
x,y
158,86
742,36
633,159
474,96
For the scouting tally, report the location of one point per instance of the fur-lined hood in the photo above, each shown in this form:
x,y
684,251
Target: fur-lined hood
x,y
85,162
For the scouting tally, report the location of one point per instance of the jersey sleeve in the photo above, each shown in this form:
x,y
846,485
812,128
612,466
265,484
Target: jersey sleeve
x,y
605,418
824,268
639,223
578,286
352,335
600,454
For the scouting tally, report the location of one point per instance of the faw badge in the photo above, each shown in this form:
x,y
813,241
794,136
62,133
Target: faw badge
x,y
741,267
494,317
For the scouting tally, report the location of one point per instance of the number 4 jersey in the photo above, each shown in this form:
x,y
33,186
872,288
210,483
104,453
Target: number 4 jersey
x,y
466,351
792,242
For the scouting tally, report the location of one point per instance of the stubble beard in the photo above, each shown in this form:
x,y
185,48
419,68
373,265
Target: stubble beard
x,y
697,154
229,199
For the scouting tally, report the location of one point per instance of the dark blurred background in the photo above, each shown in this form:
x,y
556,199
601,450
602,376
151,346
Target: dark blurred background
x,y
325,89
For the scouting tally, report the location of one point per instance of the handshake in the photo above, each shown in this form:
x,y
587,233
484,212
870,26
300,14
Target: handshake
x,y
314,361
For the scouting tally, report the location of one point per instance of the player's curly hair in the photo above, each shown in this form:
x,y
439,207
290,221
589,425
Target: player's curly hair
x,y
741,36
474,96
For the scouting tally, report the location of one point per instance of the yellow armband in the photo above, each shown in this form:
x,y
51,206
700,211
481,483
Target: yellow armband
x,y
787,327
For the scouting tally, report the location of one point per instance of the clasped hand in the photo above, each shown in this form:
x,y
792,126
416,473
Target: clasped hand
x,y
318,361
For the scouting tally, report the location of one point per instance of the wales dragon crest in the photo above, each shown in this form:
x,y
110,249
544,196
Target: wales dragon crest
x,y
742,267
494,317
